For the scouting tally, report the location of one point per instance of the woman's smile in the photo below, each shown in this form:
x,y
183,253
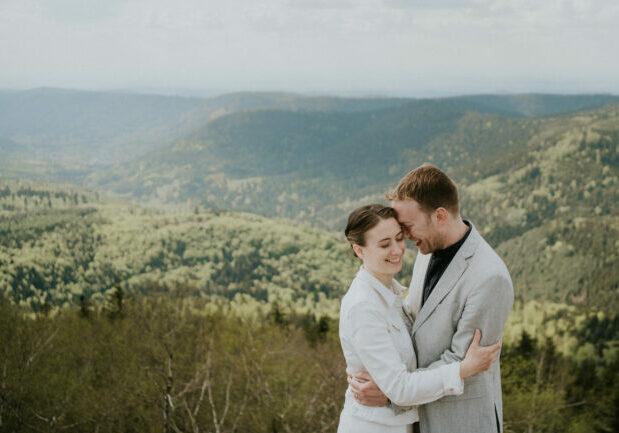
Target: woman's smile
x,y
382,254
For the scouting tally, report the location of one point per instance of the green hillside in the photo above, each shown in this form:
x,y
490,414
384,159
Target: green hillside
x,y
552,209
60,243
256,160
205,311
522,179
248,160
112,293
534,186
71,127
301,164
78,131
570,260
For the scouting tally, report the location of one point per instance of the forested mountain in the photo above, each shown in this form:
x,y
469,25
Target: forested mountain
x,y
553,209
536,187
72,127
60,244
305,164
208,317
118,313
309,164
533,185
77,131
281,163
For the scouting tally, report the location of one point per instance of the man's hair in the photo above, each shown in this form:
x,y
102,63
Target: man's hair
x,y
365,218
430,187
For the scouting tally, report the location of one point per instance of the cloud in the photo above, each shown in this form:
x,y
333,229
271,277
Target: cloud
x,y
322,4
436,4
72,11
308,44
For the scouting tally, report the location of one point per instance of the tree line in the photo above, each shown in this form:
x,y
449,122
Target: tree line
x,y
178,364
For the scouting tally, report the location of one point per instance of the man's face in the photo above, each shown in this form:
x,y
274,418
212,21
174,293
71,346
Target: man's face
x,y
419,226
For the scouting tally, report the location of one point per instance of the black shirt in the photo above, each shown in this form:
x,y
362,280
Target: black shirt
x,y
439,262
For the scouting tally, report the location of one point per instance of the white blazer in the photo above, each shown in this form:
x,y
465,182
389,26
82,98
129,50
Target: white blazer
x,y
375,338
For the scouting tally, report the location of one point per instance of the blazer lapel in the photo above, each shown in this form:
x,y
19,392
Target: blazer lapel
x,y
412,303
449,278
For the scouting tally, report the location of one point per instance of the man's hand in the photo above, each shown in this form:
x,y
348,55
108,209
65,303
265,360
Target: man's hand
x,y
365,390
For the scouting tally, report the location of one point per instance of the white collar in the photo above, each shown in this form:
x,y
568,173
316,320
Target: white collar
x,y
390,295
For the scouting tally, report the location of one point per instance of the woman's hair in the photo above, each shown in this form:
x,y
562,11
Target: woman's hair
x,y
364,219
430,187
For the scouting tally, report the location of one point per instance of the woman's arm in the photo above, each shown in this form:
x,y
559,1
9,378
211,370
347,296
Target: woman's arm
x,y
378,354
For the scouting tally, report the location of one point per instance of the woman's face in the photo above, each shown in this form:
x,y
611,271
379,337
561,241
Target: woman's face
x,y
383,250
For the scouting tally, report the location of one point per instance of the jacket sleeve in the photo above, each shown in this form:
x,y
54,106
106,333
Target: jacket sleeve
x,y
376,350
487,308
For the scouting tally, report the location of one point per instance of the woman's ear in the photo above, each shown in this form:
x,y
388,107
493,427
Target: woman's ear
x,y
358,250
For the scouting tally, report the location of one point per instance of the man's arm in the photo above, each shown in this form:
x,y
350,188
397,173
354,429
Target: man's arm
x,y
487,308
376,349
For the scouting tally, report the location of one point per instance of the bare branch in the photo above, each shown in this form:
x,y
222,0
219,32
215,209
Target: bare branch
x,y
39,348
192,419
209,388
227,401
245,393
199,403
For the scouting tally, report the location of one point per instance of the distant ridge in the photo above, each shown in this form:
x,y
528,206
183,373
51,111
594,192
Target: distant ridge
x,y
533,104
324,155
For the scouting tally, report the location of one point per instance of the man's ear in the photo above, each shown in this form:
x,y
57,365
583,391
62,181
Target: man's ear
x,y
358,250
441,215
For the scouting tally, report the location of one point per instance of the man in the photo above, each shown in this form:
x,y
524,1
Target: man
x,y
459,284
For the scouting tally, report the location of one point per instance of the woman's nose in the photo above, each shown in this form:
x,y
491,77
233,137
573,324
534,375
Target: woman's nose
x,y
396,249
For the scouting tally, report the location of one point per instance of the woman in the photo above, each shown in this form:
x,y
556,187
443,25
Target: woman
x,y
374,332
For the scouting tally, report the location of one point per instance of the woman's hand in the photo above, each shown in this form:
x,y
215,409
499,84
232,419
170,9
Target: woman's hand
x,y
478,358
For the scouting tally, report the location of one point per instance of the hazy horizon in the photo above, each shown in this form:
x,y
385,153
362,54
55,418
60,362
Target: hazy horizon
x,y
205,94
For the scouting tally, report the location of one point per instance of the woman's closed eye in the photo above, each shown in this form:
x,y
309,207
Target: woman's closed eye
x,y
386,245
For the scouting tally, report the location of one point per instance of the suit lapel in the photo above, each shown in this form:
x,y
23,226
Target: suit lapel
x,y
449,278
412,302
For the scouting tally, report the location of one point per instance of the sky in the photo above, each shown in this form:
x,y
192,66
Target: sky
x,y
390,47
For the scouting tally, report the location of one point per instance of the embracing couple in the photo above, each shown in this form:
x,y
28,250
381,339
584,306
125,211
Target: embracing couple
x,y
425,362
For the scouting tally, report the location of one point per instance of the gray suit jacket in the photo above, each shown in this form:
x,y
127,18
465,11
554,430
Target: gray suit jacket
x,y
475,291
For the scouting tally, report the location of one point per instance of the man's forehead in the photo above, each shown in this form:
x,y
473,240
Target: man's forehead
x,y
408,211
405,207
